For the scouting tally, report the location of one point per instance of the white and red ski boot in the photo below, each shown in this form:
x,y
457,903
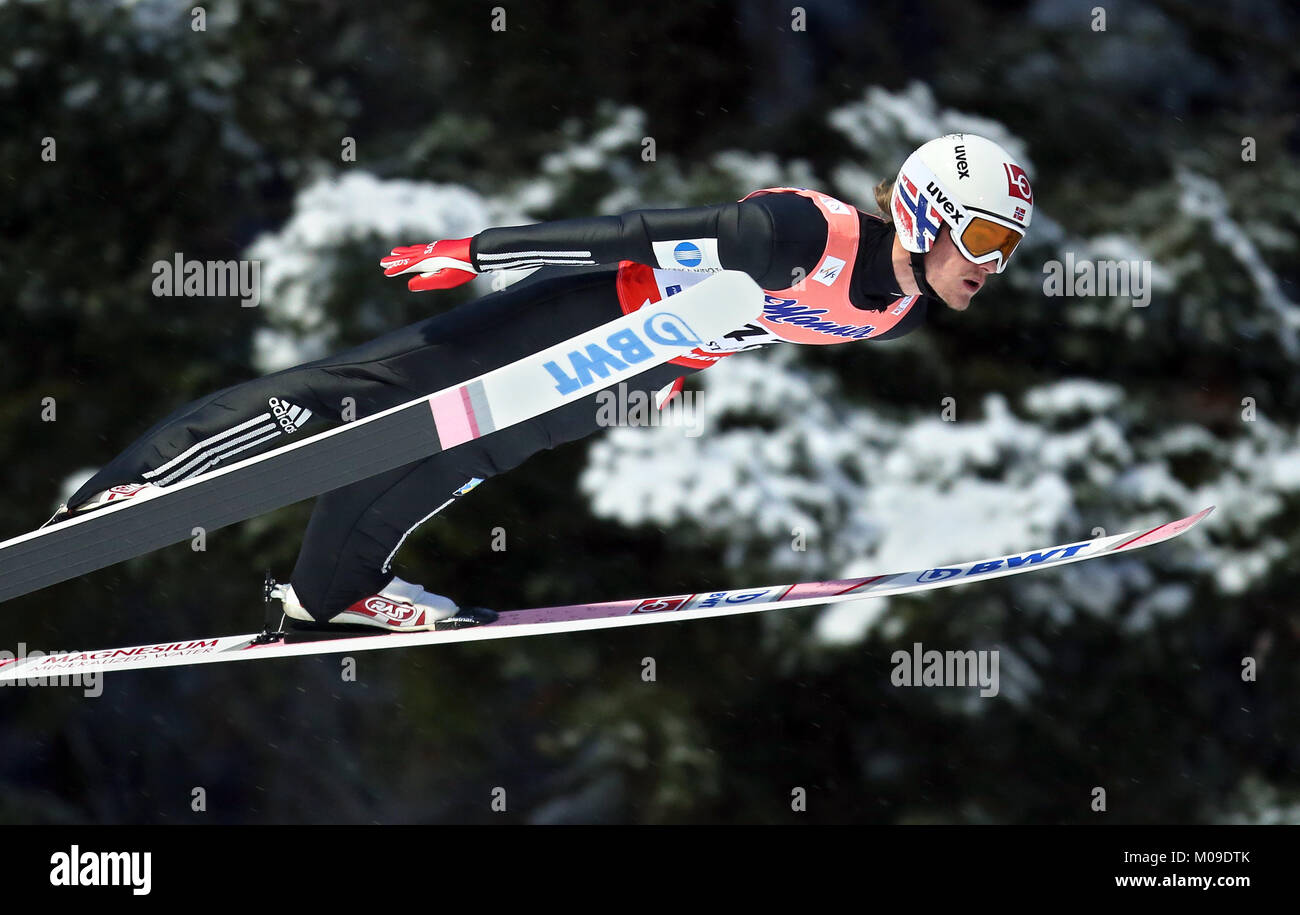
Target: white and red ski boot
x,y
399,607
110,496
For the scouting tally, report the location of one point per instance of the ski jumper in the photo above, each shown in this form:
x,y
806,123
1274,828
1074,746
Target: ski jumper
x,y
825,266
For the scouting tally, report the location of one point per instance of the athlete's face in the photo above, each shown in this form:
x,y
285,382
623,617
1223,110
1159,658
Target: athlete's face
x,y
952,276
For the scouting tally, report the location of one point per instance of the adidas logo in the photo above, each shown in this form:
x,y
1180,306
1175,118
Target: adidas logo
x,y
289,417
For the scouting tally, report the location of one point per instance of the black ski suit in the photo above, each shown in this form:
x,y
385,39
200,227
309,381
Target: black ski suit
x,y
355,531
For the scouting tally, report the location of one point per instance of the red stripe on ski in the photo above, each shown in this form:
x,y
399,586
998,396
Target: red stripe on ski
x,y
865,581
1174,527
469,412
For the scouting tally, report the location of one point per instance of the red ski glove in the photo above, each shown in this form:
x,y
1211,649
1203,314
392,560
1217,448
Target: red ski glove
x,y
441,264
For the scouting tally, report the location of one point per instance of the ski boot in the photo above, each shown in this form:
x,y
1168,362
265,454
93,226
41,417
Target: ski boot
x,y
398,607
111,496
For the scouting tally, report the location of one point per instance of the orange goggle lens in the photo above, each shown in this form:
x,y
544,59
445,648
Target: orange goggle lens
x,y
983,236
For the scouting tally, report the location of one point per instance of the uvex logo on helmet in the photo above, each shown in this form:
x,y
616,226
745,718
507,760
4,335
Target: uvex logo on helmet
x,y
963,167
955,213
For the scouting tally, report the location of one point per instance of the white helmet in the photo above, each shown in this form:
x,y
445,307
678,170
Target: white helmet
x,y
971,183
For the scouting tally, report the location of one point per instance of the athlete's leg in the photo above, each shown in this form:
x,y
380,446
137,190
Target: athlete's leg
x,y
244,420
355,532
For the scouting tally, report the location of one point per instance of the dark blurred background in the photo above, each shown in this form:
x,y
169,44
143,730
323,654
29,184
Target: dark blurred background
x,y
1072,413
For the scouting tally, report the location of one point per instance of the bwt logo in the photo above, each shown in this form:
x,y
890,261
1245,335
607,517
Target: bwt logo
x,y
623,348
732,597
994,565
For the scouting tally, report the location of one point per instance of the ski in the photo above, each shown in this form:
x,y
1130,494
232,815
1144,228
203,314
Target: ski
x,y
274,643
536,384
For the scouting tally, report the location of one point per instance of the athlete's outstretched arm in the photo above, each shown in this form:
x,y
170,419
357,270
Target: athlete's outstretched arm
x,y
767,237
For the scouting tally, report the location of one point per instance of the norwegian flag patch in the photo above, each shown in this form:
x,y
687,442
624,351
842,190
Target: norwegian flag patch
x,y
914,210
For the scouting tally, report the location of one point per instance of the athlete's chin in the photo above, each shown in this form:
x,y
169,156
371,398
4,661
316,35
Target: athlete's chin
x,y
958,301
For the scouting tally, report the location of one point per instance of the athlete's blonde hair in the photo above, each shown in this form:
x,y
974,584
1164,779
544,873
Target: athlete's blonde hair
x,y
881,193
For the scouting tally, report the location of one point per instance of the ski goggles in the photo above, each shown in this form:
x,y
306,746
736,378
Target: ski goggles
x,y
982,240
